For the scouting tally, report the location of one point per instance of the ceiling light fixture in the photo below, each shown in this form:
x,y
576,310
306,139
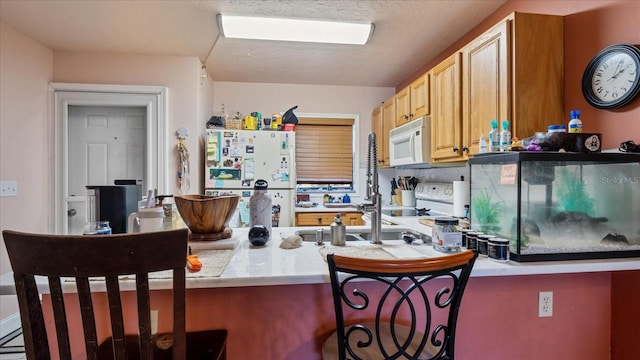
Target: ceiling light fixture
x,y
262,28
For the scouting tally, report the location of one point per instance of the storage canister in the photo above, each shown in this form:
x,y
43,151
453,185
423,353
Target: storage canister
x,y
463,233
446,237
498,249
472,240
483,244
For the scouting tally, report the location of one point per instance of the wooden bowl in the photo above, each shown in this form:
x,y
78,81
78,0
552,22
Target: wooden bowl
x,y
206,214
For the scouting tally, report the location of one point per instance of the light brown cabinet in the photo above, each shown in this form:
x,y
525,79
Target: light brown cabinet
x,y
326,218
383,119
413,101
514,71
446,121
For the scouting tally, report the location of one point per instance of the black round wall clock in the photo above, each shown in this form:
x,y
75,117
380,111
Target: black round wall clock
x,y
612,77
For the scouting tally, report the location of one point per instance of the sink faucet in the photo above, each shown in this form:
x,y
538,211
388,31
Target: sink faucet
x,y
373,194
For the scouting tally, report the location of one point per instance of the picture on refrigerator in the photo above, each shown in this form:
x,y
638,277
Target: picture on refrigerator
x,y
235,159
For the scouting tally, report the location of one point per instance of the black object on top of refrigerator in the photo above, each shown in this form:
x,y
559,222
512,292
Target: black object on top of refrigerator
x,y
113,203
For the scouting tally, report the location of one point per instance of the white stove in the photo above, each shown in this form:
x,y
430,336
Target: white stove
x,y
432,200
437,198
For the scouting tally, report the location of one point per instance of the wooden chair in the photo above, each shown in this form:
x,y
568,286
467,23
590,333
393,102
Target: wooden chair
x,y
106,257
412,315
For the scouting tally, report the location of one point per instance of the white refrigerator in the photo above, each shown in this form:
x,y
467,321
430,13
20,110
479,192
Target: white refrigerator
x,y
235,159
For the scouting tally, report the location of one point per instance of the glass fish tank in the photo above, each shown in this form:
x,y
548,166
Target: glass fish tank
x,y
558,206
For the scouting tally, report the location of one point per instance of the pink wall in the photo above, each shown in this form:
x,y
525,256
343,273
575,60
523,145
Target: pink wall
x,y
498,318
189,94
25,69
589,26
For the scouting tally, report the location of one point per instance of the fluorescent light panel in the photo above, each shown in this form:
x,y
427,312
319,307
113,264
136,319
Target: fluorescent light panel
x,y
261,28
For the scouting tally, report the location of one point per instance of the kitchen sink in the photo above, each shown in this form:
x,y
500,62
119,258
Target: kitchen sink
x,y
365,235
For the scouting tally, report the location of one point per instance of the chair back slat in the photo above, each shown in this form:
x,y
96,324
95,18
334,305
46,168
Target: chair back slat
x,y
105,257
60,317
88,321
179,314
34,335
144,317
117,320
414,310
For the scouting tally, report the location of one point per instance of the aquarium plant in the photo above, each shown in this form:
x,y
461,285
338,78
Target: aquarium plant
x,y
485,212
571,193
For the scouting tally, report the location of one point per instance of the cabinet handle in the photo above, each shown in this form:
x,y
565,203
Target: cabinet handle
x,y
319,220
455,149
411,115
406,116
465,149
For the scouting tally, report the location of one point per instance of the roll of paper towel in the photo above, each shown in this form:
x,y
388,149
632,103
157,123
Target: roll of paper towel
x,y
460,197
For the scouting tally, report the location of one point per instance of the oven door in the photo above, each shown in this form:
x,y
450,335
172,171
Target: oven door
x,y
402,149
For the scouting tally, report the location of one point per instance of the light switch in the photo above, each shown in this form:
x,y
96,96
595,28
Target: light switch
x,y
8,188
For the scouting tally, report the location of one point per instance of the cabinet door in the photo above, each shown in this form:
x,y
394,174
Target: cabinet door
x,y
485,84
352,219
402,99
419,97
446,119
314,219
388,123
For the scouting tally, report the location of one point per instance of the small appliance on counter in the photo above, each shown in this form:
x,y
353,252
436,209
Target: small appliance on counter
x,y
113,203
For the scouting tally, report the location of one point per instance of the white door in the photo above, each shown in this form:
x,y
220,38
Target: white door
x,y
106,143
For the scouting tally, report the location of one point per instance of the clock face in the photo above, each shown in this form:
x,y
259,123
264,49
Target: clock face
x,y
612,77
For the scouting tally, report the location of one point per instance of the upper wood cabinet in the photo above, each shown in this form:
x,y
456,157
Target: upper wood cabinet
x,y
413,101
383,119
446,123
514,71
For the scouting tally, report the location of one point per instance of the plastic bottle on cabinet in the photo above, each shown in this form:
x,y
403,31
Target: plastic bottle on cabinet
x,y
260,206
494,137
575,124
505,136
482,145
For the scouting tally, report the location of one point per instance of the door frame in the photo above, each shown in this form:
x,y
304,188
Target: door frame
x,y
62,95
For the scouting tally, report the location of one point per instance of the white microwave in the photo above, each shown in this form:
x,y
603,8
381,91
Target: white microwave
x,y
410,143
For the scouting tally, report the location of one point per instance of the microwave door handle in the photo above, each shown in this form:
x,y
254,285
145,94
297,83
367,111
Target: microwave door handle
x,y
412,141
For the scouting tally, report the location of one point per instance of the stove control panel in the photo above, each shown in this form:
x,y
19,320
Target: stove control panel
x,y
435,191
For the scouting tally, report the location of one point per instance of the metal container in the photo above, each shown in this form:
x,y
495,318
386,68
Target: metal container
x,y
338,232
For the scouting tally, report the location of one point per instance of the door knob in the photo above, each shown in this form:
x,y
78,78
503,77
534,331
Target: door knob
x,y
71,212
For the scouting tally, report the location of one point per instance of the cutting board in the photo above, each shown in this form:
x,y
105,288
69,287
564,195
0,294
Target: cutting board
x,y
430,222
224,244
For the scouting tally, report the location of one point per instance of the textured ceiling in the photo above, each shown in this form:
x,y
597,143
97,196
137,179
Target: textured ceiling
x,y
407,35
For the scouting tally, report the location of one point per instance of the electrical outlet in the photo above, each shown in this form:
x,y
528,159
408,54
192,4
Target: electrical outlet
x,y
154,322
8,188
545,304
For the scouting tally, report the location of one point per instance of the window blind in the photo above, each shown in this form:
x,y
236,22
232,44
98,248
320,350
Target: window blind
x,y
324,150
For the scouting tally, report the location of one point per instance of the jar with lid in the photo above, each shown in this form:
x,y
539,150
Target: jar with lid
x,y
446,236
260,207
472,240
556,129
483,243
498,249
97,228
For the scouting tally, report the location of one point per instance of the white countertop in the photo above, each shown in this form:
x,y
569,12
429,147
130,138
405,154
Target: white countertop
x,y
270,265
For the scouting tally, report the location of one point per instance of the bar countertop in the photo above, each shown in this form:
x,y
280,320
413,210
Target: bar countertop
x,y
271,265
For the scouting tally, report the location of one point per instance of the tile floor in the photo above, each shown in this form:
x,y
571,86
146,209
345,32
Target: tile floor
x,y
12,347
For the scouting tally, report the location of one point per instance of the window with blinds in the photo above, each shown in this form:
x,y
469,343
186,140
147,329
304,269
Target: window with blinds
x,y
324,151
